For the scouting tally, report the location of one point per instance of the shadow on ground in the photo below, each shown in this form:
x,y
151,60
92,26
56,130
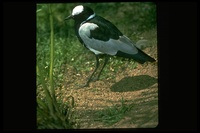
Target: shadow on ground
x,y
133,83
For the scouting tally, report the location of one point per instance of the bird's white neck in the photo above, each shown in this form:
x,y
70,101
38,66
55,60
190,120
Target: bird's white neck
x,y
90,17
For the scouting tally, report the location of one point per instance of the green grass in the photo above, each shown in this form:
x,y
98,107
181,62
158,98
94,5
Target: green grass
x,y
52,114
135,20
113,114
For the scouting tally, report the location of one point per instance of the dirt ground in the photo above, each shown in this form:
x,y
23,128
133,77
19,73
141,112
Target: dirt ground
x,y
137,86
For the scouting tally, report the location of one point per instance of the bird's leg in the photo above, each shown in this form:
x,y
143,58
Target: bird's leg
x,y
105,62
97,65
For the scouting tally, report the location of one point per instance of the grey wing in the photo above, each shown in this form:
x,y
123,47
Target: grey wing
x,y
110,47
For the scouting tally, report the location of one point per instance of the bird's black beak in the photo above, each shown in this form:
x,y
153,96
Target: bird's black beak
x,y
69,17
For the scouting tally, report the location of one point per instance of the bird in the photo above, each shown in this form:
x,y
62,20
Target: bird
x,y
102,37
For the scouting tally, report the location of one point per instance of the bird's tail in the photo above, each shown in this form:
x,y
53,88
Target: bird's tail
x,y
140,57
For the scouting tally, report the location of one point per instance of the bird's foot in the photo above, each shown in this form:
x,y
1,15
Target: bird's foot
x,y
87,83
95,78
82,85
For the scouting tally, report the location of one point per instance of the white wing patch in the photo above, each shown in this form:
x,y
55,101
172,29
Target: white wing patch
x,y
110,47
84,30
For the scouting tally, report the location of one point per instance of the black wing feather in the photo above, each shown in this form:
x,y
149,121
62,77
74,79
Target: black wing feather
x,y
105,30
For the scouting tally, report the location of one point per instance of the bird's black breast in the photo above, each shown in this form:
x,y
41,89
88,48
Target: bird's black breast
x,y
77,26
105,30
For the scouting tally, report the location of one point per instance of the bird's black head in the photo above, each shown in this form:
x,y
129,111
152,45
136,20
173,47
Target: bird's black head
x,y
81,13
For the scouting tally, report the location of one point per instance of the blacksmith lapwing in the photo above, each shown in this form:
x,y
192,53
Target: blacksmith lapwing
x,y
102,37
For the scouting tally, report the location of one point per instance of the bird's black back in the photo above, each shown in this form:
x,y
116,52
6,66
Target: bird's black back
x,y
105,31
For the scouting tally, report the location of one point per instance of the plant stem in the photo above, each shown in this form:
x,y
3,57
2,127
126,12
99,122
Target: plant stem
x,y
51,54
